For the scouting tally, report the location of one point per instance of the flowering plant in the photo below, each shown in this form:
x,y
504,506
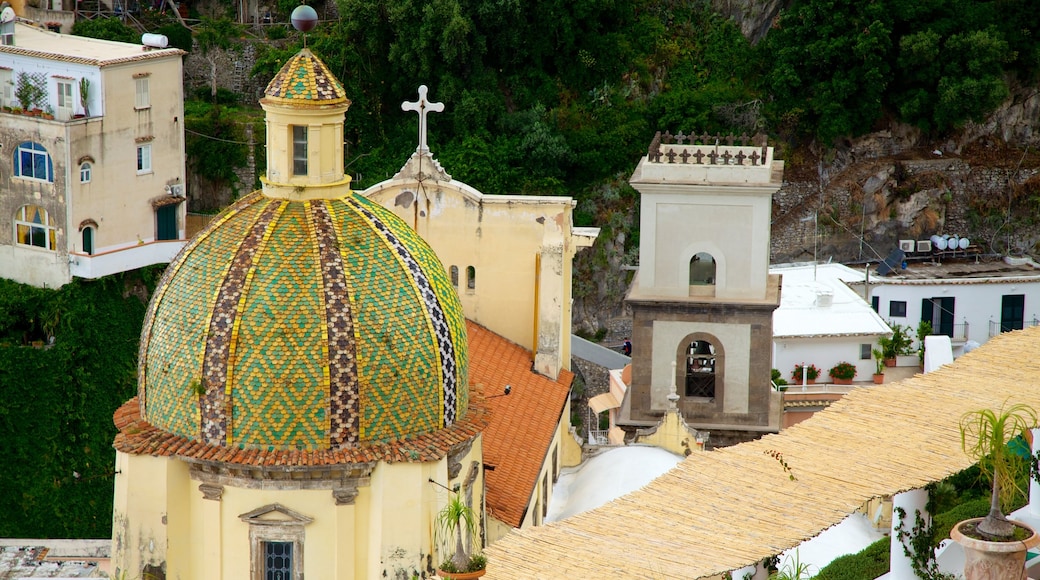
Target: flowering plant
x,y
811,372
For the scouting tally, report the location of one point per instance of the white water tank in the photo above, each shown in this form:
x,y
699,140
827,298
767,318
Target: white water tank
x,y
155,40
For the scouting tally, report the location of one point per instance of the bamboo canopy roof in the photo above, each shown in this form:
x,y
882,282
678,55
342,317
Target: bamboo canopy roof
x,y
725,509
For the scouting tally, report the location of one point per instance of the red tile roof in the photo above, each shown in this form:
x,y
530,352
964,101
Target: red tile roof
x,y
517,440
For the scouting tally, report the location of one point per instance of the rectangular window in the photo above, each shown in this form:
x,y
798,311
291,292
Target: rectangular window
x,y
1012,312
144,158
143,99
65,103
864,351
875,302
299,150
278,561
897,309
6,89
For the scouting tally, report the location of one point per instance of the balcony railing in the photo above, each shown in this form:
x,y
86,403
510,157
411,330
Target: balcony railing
x,y
996,327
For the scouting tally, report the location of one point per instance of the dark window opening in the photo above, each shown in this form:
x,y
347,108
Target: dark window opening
x,y
299,148
700,369
278,560
897,309
1012,312
702,269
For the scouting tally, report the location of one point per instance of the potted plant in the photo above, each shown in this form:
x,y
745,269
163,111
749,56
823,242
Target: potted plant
x,y
810,374
843,373
995,543
879,366
453,521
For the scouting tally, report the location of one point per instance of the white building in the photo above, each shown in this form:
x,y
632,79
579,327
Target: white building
x,y
968,301
92,181
822,321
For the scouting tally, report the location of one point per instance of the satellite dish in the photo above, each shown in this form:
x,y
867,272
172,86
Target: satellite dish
x,y
940,244
964,243
7,15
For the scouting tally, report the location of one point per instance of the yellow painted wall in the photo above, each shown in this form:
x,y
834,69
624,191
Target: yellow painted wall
x,y
117,197
161,517
520,247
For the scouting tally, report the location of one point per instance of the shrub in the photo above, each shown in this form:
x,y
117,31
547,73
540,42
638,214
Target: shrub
x,y
944,522
843,370
778,379
872,562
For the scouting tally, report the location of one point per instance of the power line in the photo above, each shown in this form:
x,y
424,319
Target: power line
x,y
186,130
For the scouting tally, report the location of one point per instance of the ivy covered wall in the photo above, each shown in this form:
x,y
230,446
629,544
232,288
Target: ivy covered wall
x,y
67,361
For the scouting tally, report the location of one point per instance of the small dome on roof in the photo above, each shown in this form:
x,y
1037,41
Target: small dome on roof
x,y
305,79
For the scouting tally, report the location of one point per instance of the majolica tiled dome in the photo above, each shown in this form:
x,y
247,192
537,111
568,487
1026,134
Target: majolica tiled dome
x,y
312,325
305,80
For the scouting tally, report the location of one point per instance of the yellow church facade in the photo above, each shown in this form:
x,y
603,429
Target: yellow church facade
x,y
304,407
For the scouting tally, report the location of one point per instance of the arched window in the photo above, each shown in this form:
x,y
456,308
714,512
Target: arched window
x,y
471,277
85,171
702,269
31,161
33,227
88,240
700,369
454,271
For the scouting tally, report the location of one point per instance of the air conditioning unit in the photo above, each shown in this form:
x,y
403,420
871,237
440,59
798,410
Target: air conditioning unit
x,y
176,190
906,245
924,246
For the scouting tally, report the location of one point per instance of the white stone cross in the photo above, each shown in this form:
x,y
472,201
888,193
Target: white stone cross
x,y
422,106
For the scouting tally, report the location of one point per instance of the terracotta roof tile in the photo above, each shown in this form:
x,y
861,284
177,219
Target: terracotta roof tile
x,y
136,436
530,414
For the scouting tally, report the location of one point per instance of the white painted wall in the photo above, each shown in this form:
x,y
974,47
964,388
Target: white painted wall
x,y
824,352
976,304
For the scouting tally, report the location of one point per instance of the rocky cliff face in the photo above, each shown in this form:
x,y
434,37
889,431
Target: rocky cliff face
x,y
755,17
982,182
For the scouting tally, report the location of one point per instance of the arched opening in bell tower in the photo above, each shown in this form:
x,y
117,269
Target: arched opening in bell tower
x,y
702,269
700,367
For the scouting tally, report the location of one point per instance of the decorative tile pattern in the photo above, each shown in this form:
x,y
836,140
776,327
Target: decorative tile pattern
x,y
320,325
164,285
437,295
178,329
214,369
306,78
277,367
396,357
339,324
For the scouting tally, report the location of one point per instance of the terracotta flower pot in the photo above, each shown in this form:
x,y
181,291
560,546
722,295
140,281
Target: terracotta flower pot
x,y
838,381
460,575
890,362
985,560
879,378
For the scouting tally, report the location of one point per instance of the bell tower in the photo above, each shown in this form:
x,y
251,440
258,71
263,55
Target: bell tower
x,y
703,297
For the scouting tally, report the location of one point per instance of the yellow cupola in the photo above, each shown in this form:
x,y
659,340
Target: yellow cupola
x,y
305,104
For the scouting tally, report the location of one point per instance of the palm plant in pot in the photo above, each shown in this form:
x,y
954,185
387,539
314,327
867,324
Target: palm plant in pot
x,y
459,522
879,366
994,544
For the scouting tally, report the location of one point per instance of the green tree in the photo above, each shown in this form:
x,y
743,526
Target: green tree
x,y
106,29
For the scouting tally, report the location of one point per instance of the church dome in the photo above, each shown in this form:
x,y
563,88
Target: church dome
x,y
303,325
305,80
